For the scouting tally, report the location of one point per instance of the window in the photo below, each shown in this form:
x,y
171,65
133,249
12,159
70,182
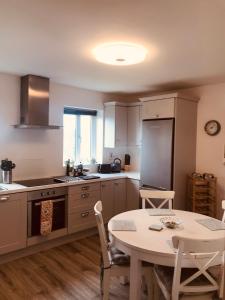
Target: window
x,y
81,133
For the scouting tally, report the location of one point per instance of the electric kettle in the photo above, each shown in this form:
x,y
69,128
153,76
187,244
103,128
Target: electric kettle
x,y
116,165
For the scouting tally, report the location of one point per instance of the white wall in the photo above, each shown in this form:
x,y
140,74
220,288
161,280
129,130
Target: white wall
x,y
38,153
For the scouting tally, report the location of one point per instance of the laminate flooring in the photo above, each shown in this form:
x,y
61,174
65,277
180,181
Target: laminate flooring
x,y
70,271
67,272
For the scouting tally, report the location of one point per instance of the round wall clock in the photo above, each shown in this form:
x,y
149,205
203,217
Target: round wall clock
x,y
212,127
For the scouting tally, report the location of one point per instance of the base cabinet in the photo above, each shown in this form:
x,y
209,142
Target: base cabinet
x,y
113,197
13,222
82,199
107,198
112,193
133,194
119,196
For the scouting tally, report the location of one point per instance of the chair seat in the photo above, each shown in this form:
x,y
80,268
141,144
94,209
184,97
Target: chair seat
x,y
165,275
119,258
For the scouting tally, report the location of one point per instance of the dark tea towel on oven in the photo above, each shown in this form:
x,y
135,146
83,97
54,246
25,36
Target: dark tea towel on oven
x,y
46,217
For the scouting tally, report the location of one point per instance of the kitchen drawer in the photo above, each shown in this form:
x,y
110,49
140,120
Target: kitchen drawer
x,y
87,187
81,220
84,195
119,181
83,200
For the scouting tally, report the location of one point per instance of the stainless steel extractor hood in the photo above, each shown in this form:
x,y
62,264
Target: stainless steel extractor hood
x,y
34,103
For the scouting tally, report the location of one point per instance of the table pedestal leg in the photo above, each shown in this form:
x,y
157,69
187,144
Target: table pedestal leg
x,y
135,277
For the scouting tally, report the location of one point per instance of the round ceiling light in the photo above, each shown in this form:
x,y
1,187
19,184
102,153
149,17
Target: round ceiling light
x,y
120,54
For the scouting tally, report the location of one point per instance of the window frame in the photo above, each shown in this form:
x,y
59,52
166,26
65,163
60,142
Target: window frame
x,y
78,112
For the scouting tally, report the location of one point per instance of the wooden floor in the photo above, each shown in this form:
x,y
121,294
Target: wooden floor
x,y
69,271
66,272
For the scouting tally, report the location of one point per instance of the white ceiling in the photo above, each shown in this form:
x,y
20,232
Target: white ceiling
x,y
54,38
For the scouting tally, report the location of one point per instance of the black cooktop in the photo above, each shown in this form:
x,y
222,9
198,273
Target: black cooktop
x,y
54,180
37,182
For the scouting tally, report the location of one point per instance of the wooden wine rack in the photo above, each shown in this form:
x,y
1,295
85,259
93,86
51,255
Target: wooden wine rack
x,y
202,196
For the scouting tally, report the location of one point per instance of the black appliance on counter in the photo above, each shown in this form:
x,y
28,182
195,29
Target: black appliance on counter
x,y
114,167
104,168
127,159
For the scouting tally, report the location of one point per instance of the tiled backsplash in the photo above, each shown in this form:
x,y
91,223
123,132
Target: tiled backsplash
x,y
109,154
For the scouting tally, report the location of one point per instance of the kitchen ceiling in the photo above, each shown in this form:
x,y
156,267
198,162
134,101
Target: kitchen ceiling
x,y
55,38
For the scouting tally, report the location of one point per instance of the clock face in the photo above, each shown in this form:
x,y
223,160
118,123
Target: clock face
x,y
212,127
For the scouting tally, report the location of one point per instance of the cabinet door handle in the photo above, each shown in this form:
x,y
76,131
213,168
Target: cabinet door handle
x,y
85,214
116,183
103,185
4,198
86,195
155,116
85,188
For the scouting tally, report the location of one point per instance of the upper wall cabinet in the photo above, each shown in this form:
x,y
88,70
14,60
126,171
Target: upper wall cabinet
x,y
122,124
115,125
134,125
158,108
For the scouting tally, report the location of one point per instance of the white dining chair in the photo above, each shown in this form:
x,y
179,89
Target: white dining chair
x,y
163,197
203,278
114,262
223,207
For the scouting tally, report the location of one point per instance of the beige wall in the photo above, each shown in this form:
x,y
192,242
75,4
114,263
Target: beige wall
x,y
210,148
38,153
209,153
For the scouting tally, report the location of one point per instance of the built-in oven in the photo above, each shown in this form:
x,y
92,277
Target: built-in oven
x,y
58,196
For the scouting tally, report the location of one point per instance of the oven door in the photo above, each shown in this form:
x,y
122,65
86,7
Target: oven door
x,y
34,215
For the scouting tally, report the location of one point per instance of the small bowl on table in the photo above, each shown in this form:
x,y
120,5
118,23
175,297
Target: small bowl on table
x,y
170,222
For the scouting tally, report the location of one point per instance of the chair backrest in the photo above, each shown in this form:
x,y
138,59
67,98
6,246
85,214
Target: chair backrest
x,y
164,197
202,254
223,207
102,234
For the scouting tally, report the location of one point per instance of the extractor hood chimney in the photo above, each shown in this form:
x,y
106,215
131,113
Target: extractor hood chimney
x,y
34,103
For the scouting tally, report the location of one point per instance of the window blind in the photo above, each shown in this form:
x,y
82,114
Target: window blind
x,y
79,111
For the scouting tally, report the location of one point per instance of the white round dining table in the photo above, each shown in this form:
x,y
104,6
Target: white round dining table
x,y
155,246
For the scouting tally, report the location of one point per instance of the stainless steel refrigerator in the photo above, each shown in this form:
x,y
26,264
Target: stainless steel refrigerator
x,y
157,153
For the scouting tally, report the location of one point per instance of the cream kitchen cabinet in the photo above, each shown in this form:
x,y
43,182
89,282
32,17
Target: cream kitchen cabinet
x,y
133,194
107,198
134,125
13,222
119,196
82,199
115,125
113,197
162,108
